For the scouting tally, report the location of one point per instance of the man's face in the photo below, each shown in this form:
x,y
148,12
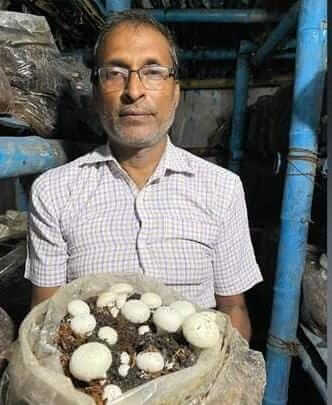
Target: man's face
x,y
134,116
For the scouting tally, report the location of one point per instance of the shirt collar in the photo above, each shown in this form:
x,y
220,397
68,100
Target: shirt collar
x,y
173,159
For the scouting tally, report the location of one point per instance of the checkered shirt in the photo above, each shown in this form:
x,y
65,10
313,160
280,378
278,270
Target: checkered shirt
x,y
187,226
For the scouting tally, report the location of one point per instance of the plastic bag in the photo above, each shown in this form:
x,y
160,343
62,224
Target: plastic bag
x,y
6,95
51,92
36,374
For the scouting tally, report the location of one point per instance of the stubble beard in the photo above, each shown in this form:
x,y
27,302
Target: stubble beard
x,y
116,134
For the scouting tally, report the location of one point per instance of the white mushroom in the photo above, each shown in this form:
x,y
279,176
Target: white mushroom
x,y
143,329
124,358
108,334
150,362
152,300
123,370
114,312
106,299
90,361
184,308
78,307
209,314
111,392
83,324
121,288
201,331
136,311
167,319
121,300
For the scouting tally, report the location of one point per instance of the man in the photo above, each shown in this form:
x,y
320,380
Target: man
x,y
140,204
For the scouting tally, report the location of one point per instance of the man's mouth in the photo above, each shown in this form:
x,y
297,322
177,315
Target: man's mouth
x,y
134,114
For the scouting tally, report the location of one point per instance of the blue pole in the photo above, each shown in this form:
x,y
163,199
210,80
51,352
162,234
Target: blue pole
x,y
308,92
117,5
28,155
277,35
223,54
216,54
239,107
244,16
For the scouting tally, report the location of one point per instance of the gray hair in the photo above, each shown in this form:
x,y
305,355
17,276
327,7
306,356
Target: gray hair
x,y
136,18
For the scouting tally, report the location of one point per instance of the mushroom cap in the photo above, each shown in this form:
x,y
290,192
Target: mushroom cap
x,y
90,361
106,299
108,334
209,314
121,300
123,370
120,288
201,331
136,311
111,391
83,324
167,319
151,362
184,308
151,299
78,307
124,358
144,329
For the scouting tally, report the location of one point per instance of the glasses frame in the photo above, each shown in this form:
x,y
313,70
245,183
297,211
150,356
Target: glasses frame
x,y
95,75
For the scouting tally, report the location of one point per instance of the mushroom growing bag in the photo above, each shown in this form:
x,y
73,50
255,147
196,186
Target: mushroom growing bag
x,y
229,373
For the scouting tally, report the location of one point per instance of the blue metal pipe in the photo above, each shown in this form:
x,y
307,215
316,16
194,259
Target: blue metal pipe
x,y
239,107
28,155
223,54
277,35
117,5
244,16
311,61
216,54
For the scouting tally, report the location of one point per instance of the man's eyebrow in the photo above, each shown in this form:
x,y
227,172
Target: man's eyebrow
x,y
121,63
116,62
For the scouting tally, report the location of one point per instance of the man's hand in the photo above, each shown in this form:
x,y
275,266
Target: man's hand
x,y
235,306
40,294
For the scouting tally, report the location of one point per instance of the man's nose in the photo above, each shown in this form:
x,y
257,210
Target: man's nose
x,y
134,88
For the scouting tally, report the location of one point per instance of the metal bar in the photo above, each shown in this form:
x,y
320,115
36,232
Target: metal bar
x,y
21,197
277,35
311,61
310,369
239,108
222,54
117,5
309,354
28,155
244,16
229,83
216,54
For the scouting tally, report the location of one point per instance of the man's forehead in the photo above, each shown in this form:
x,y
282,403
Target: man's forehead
x,y
143,38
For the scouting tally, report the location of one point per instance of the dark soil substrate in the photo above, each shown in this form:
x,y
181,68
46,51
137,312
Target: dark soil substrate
x,y
174,348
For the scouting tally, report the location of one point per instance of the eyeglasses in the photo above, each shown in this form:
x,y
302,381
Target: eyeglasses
x,y
112,78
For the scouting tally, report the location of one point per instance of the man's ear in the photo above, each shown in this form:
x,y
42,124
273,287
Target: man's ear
x,y
177,93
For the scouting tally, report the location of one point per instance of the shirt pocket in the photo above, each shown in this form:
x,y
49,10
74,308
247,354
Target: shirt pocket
x,y
183,252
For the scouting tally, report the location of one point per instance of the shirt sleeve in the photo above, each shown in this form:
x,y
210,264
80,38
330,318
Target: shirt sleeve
x,y
235,267
46,249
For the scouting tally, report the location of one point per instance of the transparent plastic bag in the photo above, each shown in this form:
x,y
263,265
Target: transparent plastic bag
x,y
6,95
36,375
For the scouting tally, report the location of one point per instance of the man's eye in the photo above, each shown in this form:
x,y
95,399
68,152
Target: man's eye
x,y
154,73
113,74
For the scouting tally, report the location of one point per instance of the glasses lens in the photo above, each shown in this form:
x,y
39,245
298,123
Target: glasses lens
x,y
112,78
153,77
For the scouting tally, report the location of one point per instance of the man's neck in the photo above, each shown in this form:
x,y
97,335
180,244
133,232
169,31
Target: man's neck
x,y
140,163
